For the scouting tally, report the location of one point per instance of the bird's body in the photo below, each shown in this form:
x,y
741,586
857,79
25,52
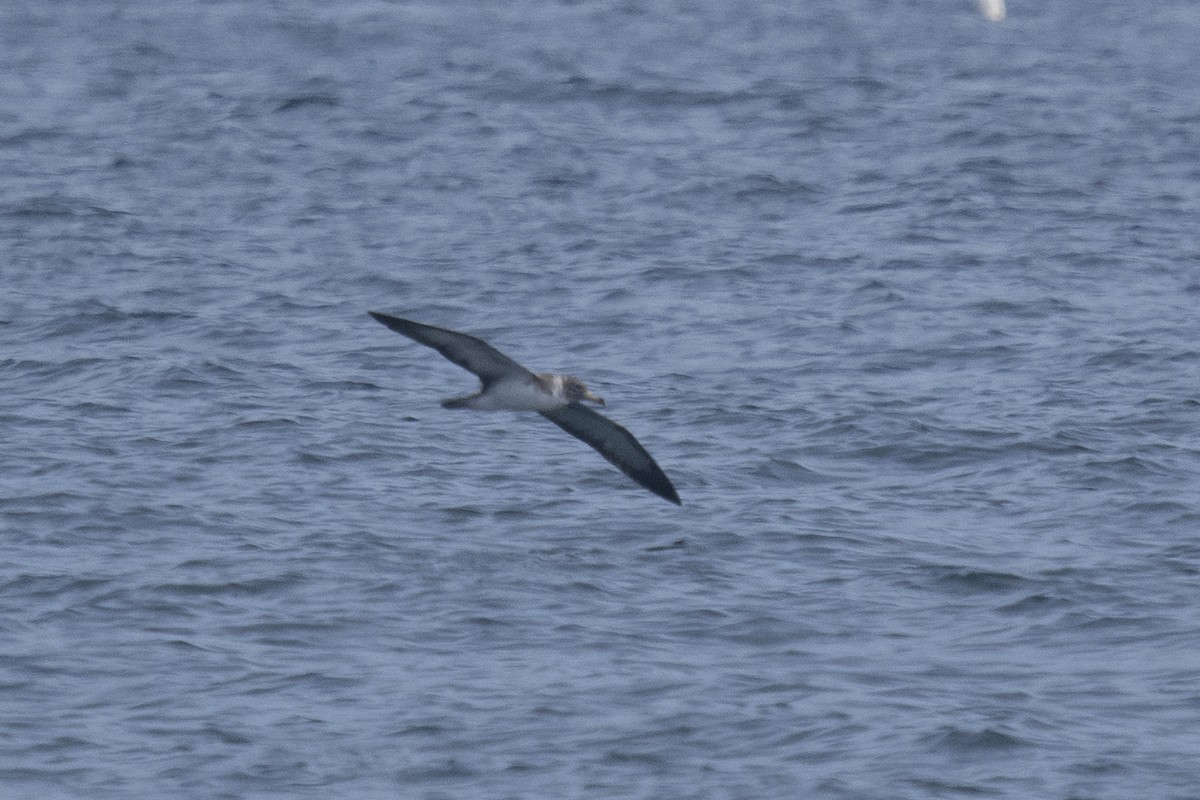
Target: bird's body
x,y
520,393
505,385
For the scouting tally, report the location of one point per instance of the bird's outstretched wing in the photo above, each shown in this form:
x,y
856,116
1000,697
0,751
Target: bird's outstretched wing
x,y
616,444
473,355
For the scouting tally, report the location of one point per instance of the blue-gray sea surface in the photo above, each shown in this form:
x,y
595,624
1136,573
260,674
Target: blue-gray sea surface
x,y
906,302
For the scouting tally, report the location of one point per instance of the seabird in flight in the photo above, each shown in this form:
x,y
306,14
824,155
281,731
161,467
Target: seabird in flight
x,y
508,386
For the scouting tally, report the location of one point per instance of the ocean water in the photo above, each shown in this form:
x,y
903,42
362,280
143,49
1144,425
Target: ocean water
x,y
906,302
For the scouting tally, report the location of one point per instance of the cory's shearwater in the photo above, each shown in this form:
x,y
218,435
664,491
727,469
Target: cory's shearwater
x,y
508,386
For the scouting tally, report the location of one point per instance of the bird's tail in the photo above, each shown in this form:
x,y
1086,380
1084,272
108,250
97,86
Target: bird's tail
x,y
458,402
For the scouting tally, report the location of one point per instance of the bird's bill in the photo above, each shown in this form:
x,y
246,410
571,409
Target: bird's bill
x,y
595,398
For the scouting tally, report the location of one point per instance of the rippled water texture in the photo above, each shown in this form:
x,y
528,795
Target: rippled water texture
x,y
904,300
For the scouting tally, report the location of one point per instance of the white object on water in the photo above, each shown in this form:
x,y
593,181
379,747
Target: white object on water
x,y
993,9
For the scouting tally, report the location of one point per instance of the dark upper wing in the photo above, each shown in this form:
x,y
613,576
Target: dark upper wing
x,y
474,355
616,444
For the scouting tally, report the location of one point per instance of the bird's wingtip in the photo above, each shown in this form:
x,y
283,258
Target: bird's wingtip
x,y
666,492
381,318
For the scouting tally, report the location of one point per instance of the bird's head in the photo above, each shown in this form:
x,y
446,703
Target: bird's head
x,y
576,391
